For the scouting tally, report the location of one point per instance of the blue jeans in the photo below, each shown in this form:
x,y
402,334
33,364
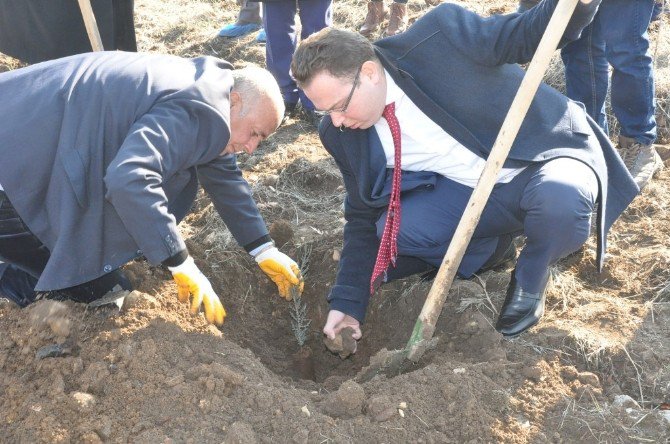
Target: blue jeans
x,y
617,37
279,24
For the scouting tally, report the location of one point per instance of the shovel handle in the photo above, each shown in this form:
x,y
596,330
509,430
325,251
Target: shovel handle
x,y
91,25
425,324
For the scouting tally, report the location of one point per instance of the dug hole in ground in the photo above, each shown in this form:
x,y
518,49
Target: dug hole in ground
x,y
597,368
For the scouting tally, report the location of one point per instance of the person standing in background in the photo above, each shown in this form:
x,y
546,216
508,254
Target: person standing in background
x,y
618,37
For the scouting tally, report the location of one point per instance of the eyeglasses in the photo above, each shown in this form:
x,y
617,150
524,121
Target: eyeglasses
x,y
344,107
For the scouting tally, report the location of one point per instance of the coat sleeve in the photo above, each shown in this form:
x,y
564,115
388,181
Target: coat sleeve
x,y
173,135
351,292
509,38
231,195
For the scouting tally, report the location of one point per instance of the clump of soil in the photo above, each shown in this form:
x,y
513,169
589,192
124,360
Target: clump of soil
x,y
281,232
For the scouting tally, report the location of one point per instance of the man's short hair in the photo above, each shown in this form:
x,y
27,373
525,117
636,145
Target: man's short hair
x,y
253,84
337,52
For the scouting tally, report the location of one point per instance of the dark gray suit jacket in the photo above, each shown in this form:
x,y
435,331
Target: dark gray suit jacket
x,y
460,70
101,155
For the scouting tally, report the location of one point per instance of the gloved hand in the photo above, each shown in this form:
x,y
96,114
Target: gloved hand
x,y
282,270
191,281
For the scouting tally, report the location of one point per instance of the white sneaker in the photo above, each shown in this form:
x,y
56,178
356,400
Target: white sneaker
x,y
641,160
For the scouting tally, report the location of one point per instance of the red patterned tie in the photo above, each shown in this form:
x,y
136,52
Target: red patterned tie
x,y
388,248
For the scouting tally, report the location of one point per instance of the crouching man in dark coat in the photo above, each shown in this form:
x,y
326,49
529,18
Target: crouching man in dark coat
x,y
410,121
102,155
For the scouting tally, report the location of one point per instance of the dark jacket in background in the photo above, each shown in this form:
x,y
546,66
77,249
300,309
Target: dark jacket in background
x,y
38,30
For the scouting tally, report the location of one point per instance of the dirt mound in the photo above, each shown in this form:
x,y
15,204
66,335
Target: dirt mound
x,y
597,368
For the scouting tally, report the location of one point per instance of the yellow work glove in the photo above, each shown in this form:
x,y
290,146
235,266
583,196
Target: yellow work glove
x,y
191,282
282,270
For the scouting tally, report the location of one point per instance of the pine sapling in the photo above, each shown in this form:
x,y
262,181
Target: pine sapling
x,y
299,322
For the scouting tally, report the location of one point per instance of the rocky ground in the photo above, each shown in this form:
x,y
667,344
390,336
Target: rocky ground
x,y
597,368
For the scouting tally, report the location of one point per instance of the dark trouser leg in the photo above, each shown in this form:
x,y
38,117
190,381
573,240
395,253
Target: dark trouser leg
x,y
279,24
558,202
314,16
28,257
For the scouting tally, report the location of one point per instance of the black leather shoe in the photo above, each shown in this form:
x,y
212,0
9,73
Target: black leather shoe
x,y
505,254
521,309
17,286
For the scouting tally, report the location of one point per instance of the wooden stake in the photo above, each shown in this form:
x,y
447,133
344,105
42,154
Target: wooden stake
x,y
91,25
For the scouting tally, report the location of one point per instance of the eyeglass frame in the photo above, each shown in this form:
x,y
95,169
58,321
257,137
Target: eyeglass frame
x,y
347,102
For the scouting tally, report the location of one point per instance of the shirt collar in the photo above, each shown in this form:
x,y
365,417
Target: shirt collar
x,y
393,91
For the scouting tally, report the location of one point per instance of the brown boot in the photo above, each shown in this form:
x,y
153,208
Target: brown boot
x,y
376,15
398,19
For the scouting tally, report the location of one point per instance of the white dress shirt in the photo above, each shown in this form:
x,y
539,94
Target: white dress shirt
x,y
427,147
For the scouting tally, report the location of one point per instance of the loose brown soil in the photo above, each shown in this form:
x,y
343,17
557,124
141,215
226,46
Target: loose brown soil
x,y
597,368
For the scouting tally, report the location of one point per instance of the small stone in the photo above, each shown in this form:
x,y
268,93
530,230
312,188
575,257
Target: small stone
x,y
589,378
204,405
459,370
336,255
137,299
346,402
380,408
402,405
625,401
84,401
401,413
54,351
306,411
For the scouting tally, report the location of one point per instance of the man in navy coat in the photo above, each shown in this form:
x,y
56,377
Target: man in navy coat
x,y
102,154
448,82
